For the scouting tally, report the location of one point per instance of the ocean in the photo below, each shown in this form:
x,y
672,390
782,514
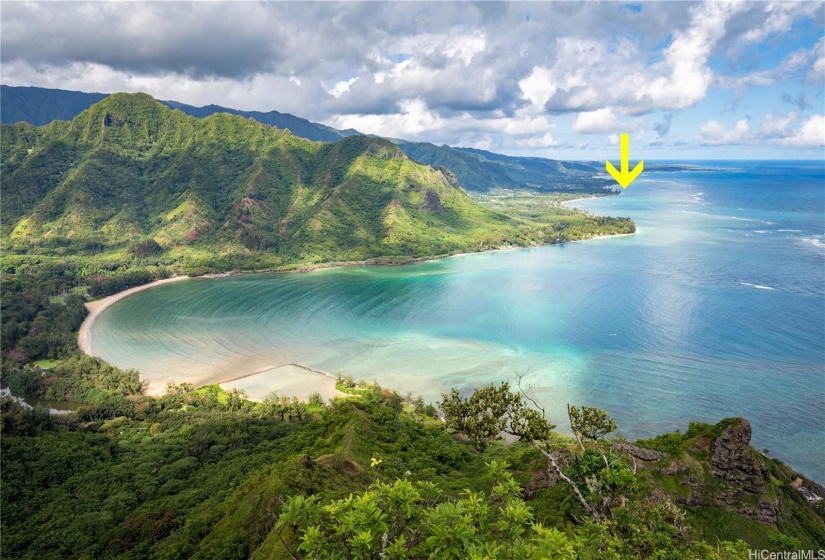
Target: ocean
x,y
715,308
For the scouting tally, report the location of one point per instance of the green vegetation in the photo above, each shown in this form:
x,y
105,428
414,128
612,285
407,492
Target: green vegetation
x,y
129,181
482,171
208,474
476,170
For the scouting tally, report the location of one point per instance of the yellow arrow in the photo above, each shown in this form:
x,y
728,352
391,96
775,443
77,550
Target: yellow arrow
x,y
625,177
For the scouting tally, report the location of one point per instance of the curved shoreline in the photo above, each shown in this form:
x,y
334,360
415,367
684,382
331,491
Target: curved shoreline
x,y
324,379
84,336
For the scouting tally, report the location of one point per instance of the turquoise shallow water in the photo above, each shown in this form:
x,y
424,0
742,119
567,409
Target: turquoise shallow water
x,y
715,308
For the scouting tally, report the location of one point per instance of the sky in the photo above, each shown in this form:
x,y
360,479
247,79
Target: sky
x,y
686,80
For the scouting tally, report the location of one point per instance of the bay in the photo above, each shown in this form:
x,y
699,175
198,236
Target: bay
x,y
715,308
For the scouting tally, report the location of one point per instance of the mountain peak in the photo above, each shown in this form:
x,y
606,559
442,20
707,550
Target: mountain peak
x,y
130,120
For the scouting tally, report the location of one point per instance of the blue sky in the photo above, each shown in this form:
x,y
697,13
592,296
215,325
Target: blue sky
x,y
553,79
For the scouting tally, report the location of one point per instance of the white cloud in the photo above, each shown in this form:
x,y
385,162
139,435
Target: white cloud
x,y
523,123
715,132
817,70
342,87
613,139
813,59
776,126
772,131
779,16
811,133
457,45
687,56
600,120
545,141
539,86
413,119
591,74
442,72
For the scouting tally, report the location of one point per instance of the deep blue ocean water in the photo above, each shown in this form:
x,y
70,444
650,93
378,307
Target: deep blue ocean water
x,y
715,308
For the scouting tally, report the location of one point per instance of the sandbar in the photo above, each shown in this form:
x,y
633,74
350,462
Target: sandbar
x,y
291,380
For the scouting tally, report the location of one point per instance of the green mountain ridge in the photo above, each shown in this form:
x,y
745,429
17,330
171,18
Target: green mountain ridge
x,y
480,170
129,167
476,170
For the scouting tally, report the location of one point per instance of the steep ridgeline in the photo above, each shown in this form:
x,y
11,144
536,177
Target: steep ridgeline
x,y
296,125
39,106
129,168
476,170
479,170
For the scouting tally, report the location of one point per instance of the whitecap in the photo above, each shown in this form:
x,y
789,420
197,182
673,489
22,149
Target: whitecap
x,y
757,286
816,241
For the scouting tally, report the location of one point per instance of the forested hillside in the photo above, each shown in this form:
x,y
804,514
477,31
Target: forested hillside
x,y
129,168
482,171
206,474
476,170
131,178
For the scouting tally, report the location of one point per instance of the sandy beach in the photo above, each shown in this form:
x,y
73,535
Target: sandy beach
x,y
288,379
84,338
580,199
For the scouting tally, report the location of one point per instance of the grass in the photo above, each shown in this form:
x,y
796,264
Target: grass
x,y
181,209
21,229
45,364
216,390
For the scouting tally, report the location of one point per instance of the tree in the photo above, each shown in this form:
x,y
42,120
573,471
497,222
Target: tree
x,y
590,423
491,411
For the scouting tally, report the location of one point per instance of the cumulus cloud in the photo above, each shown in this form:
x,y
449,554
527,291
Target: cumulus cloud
x,y
773,130
776,126
714,132
778,18
341,87
545,141
600,120
199,40
491,74
590,75
817,70
811,133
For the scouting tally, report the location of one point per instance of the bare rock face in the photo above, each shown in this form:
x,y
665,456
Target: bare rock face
x,y
432,203
449,177
639,452
733,460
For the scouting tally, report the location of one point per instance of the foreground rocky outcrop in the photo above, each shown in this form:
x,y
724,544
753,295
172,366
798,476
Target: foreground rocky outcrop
x,y
747,481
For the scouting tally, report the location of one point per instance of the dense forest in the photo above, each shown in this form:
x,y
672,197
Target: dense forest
x,y
208,474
